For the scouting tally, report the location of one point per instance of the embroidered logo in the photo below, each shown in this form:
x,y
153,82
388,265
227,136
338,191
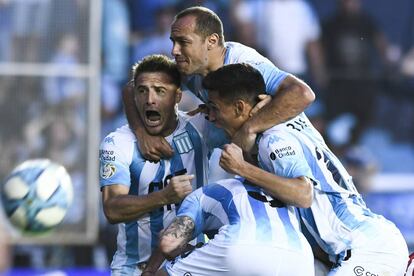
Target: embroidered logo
x,y
107,170
183,143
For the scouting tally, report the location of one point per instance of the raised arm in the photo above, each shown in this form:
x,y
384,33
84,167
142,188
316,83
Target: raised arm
x,y
119,206
291,98
152,148
175,237
292,191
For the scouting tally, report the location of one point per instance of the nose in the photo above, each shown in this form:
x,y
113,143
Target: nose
x,y
175,51
151,96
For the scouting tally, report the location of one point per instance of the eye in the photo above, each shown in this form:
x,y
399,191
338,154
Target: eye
x,y
160,91
141,90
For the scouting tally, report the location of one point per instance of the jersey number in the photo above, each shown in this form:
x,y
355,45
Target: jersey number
x,y
298,124
156,186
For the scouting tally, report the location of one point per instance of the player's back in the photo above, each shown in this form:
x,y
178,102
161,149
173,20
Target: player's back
x,y
338,218
254,238
248,217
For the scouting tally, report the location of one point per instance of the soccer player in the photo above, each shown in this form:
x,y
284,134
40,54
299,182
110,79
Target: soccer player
x,y
199,48
355,239
256,236
141,196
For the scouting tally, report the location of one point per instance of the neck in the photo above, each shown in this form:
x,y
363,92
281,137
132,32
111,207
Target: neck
x,y
216,59
171,127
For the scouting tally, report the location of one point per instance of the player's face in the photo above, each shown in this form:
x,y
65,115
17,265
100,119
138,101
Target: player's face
x,y
223,114
189,49
155,98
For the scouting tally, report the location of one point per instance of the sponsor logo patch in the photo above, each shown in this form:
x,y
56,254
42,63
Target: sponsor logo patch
x,y
183,143
107,155
281,152
107,170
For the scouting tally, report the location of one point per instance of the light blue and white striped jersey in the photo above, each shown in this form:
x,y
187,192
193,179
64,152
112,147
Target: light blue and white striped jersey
x,y
232,207
272,75
239,53
338,215
122,163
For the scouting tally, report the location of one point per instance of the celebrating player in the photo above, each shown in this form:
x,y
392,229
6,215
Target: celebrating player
x,y
338,219
255,237
141,195
199,48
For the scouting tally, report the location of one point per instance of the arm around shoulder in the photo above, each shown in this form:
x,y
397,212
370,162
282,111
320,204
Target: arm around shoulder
x,y
291,98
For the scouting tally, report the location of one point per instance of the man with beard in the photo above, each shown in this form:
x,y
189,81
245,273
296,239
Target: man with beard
x,y
139,195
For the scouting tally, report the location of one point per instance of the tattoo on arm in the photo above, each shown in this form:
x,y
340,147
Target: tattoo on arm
x,y
181,228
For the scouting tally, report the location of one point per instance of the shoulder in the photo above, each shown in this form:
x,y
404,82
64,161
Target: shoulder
x,y
122,139
198,121
238,53
120,135
280,141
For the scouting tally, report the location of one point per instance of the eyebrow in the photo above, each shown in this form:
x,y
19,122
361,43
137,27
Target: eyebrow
x,y
179,38
155,86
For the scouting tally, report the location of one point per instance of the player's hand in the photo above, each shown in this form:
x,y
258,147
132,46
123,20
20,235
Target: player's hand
x,y
202,108
178,188
153,148
232,160
264,100
244,138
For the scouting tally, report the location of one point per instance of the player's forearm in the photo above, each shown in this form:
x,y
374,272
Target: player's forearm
x,y
292,98
175,237
131,112
155,261
124,208
292,191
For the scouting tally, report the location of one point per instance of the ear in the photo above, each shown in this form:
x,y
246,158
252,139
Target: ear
x,y
239,108
178,95
212,41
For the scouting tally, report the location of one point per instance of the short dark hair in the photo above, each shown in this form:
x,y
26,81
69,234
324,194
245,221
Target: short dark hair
x,y
207,22
236,81
155,64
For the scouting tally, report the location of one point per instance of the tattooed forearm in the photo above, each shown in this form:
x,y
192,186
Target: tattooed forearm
x,y
180,228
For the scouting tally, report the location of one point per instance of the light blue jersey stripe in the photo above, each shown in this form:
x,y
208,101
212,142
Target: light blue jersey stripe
x,y
293,238
157,216
263,226
131,228
199,154
307,215
225,197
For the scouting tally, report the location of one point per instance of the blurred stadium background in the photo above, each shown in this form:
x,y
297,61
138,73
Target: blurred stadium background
x,y
63,64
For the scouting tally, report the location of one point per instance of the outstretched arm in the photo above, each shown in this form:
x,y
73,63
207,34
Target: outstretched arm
x,y
176,236
291,98
152,148
292,191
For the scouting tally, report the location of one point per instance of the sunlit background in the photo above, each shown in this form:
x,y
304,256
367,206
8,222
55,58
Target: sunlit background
x,y
63,64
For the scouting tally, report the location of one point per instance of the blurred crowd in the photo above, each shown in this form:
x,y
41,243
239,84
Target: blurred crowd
x,y
357,58
361,72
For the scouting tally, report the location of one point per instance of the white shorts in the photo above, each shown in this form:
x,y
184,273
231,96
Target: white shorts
x,y
384,254
246,259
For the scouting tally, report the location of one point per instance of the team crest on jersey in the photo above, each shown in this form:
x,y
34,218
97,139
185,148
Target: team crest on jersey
x,y
183,143
107,170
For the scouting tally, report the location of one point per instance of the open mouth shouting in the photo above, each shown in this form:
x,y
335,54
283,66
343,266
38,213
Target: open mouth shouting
x,y
152,118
